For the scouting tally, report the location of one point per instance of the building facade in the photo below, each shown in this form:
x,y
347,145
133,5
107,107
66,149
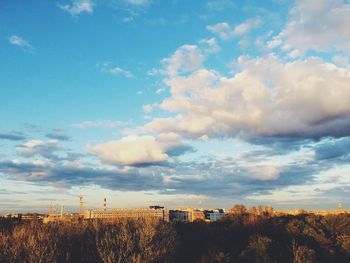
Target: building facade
x,y
127,213
214,214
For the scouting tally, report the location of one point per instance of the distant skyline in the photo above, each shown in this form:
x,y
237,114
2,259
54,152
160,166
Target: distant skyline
x,y
175,102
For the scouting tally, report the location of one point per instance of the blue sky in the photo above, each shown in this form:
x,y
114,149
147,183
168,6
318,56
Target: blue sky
x,y
178,103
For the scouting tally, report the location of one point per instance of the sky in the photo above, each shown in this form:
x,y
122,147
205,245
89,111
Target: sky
x,y
204,103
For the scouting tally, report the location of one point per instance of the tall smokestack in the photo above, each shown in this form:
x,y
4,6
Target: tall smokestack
x,y
62,209
105,204
81,205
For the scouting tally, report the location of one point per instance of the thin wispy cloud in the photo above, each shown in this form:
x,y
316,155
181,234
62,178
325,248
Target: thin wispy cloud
x,y
20,42
57,136
132,9
138,2
106,124
220,5
160,90
77,7
107,67
226,31
117,71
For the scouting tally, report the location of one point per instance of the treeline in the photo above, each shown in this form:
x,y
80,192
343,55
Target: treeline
x,y
260,237
239,237
85,241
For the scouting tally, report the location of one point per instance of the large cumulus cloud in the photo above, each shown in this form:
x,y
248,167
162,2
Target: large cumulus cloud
x,y
265,97
140,150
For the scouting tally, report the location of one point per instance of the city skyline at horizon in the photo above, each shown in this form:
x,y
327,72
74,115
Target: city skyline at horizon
x,y
57,209
202,104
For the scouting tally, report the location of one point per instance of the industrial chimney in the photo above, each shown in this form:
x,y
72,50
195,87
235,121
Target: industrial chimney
x,y
62,211
81,205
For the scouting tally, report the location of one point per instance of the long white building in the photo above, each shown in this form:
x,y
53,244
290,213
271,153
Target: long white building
x,y
134,213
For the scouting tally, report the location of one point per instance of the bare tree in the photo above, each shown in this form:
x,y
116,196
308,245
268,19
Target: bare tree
x,y
303,254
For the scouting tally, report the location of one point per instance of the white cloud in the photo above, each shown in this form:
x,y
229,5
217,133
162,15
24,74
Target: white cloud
x,y
319,25
153,72
120,71
19,41
108,124
185,59
209,45
127,19
275,42
226,31
107,67
160,90
341,61
221,29
132,150
78,6
137,150
264,172
33,143
266,97
149,107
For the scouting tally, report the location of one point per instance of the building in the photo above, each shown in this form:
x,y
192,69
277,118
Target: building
x,y
32,217
157,212
11,216
187,215
178,215
195,214
214,214
61,218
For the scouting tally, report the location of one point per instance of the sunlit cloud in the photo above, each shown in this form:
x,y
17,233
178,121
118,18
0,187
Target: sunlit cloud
x,y
304,31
